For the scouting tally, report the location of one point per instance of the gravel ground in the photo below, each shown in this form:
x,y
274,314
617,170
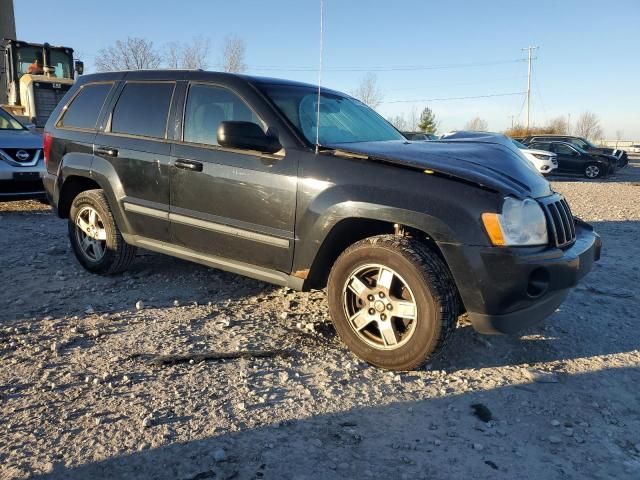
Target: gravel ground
x,y
81,398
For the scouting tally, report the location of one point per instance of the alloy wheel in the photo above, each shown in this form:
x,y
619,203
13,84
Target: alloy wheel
x,y
592,171
380,306
91,234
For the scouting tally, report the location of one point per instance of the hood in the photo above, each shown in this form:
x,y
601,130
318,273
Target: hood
x,y
20,139
540,152
492,165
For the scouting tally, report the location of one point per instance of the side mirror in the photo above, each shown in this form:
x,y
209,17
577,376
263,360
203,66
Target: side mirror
x,y
246,136
30,126
79,67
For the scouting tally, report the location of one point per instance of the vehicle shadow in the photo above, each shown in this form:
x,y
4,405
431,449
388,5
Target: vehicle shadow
x,y
430,435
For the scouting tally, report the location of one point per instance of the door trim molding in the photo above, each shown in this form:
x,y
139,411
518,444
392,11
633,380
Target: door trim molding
x,y
207,225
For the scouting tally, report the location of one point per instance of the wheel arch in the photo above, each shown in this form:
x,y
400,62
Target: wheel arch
x,y
349,230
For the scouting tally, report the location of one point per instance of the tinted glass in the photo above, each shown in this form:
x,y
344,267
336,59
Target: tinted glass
x,y
207,106
142,109
342,119
565,150
7,122
540,146
85,107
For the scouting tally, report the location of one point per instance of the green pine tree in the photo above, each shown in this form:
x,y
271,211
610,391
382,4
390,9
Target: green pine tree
x,y
428,123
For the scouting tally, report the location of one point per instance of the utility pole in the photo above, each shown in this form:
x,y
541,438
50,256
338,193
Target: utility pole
x,y
568,124
529,50
512,117
7,20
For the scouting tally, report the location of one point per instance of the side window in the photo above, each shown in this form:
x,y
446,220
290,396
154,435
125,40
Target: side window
x,y
540,146
565,150
85,107
207,106
142,109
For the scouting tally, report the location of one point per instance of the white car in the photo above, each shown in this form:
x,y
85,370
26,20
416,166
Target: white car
x,y
635,148
544,161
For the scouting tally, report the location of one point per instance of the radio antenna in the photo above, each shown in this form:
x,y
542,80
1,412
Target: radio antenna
x,y
319,77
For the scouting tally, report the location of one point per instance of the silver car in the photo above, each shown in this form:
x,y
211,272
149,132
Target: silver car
x,y
21,160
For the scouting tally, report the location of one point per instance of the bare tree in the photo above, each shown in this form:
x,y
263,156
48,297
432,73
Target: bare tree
x,y
192,55
130,54
619,136
233,53
368,91
558,125
588,126
400,122
477,124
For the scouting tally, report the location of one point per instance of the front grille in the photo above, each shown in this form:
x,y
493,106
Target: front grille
x,y
46,100
554,160
21,155
560,222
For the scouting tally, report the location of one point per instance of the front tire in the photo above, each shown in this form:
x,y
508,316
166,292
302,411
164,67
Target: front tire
x,y
393,301
94,235
593,170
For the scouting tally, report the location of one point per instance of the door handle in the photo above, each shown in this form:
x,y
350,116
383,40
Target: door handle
x,y
189,165
109,152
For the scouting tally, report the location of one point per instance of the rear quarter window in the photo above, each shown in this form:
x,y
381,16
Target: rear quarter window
x,y
142,109
84,109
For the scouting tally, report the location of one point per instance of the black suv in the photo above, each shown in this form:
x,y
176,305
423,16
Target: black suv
x,y
572,159
233,172
621,156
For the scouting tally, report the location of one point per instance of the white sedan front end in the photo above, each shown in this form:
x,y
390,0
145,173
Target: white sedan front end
x,y
545,162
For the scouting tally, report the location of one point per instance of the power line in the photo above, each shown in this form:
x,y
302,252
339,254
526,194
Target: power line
x,y
455,84
456,98
374,68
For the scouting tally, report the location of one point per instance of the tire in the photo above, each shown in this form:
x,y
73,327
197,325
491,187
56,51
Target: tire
x,y
592,170
424,280
105,251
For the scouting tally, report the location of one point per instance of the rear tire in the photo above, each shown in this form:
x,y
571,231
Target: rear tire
x,y
94,235
398,319
592,170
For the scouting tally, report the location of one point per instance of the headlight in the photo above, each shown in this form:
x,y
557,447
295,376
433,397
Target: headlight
x,y
541,156
521,223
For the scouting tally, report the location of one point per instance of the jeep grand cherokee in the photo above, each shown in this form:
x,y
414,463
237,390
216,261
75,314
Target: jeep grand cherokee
x,y
237,173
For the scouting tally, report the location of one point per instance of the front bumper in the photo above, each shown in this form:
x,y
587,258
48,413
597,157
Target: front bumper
x,y
507,289
18,182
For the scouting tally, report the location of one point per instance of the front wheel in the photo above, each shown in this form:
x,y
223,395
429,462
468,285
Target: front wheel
x,y
393,301
593,170
94,235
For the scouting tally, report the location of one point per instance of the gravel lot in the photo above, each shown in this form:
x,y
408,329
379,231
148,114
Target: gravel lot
x,y
81,399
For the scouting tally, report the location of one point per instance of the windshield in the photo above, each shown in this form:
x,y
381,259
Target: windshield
x,y
7,122
30,60
582,143
342,119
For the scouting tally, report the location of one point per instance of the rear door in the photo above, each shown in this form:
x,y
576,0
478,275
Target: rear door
x,y
135,143
229,203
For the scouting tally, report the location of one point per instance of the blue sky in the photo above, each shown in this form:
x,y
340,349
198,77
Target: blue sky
x,y
588,57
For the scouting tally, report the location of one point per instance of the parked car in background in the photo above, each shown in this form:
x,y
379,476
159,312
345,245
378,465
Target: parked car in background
x,y
635,148
231,171
622,158
546,162
420,136
573,159
543,161
21,160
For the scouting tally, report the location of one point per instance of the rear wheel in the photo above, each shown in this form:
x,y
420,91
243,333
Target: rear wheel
x,y
95,238
593,170
393,301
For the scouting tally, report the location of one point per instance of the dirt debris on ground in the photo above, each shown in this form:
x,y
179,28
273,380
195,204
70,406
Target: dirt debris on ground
x,y
559,401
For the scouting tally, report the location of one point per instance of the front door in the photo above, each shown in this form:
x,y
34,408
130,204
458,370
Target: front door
x,y
238,205
569,159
